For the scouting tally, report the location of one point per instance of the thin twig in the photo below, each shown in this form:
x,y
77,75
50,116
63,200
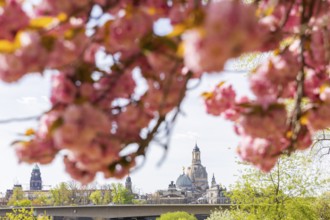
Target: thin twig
x,y
12,120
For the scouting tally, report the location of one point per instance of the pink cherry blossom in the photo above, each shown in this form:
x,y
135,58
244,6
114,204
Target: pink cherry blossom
x,y
273,79
90,52
325,94
221,101
47,124
259,124
319,118
162,60
37,150
102,152
87,91
180,10
65,52
314,81
318,56
51,7
81,124
12,20
114,86
63,90
304,139
126,32
155,100
80,175
29,57
226,21
260,152
131,121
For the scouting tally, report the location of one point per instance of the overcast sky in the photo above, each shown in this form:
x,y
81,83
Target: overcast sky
x,y
214,136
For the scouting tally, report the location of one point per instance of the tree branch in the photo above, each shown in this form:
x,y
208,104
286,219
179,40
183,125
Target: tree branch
x,y
12,120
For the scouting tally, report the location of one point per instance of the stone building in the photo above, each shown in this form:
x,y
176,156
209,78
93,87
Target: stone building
x,y
172,195
192,186
128,184
35,186
35,180
197,172
216,194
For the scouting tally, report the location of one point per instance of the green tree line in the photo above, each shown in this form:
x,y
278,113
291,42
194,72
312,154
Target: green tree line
x,y
70,194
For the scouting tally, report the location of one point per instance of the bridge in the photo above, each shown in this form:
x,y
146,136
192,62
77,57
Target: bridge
x,y
115,212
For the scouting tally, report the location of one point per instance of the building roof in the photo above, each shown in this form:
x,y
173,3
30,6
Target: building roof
x,y
196,148
184,181
36,167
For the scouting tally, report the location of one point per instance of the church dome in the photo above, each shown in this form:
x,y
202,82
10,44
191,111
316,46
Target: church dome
x,y
184,182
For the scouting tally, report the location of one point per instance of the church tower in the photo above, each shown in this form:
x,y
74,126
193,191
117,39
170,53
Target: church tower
x,y
128,184
196,155
35,181
197,172
213,183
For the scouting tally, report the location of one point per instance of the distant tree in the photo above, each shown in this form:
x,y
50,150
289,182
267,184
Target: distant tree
x,y
96,197
40,199
23,203
287,192
106,188
139,202
74,188
177,216
18,195
228,215
106,197
23,214
84,193
322,205
120,195
61,195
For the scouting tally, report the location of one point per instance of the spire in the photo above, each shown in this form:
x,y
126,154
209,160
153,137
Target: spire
x,y
36,167
213,183
183,170
128,179
128,184
196,148
196,155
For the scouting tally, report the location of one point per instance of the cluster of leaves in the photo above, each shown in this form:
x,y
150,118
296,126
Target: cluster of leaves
x,y
118,194
177,216
24,214
97,198
18,199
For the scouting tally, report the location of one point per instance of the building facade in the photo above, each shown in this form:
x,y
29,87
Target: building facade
x,y
192,186
128,184
35,180
197,172
216,194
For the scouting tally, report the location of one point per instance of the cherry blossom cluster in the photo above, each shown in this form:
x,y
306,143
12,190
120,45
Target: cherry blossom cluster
x,y
290,99
97,110
100,51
